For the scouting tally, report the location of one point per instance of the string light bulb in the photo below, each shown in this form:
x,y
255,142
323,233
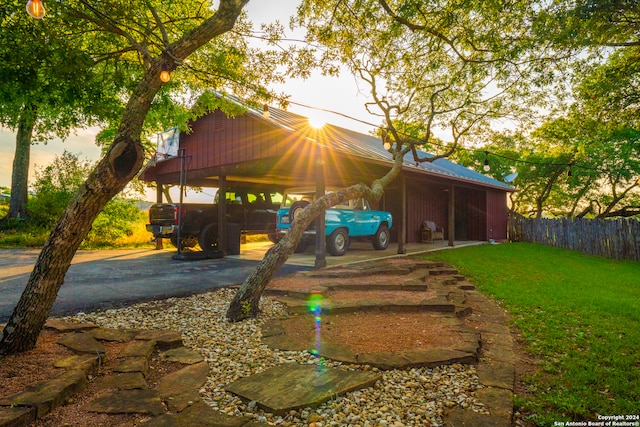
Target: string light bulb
x,y
486,166
164,75
35,9
569,173
386,142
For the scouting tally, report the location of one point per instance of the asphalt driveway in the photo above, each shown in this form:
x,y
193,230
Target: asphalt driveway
x,y
113,278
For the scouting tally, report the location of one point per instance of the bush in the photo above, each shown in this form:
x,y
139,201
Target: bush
x,y
116,220
54,187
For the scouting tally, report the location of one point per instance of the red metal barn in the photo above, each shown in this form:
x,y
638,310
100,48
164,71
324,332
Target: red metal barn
x,y
277,149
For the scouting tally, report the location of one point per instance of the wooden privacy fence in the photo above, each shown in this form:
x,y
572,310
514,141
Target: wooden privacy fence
x,y
611,238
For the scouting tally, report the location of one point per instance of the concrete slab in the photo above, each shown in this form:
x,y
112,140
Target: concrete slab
x,y
293,386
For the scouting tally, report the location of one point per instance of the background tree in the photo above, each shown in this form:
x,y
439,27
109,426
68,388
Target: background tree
x,y
445,68
47,88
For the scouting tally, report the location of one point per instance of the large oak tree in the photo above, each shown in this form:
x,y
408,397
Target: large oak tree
x,y
47,87
160,36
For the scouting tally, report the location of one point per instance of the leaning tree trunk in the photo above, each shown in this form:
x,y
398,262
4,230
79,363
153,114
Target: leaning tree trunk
x,y
111,175
20,173
245,302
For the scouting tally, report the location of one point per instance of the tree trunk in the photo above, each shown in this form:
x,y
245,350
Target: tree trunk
x,y
20,173
120,164
245,302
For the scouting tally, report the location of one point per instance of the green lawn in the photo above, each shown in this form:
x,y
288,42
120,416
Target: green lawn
x,y
580,317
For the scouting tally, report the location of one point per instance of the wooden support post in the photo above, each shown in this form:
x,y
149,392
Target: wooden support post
x,y
159,243
402,235
452,214
222,212
321,241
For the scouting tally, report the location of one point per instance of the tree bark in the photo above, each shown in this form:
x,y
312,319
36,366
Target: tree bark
x,y
245,302
20,173
121,163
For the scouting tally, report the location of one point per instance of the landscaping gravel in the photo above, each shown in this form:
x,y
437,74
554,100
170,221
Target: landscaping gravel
x,y
414,397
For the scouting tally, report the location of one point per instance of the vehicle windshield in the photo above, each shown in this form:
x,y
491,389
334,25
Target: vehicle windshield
x,y
309,196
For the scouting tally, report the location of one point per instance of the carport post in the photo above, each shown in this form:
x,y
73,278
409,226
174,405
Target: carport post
x,y
402,235
159,243
321,241
222,212
452,214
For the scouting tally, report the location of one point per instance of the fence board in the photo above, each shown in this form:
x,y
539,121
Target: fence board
x,y
617,238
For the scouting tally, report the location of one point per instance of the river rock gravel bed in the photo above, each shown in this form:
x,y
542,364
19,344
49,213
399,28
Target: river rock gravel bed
x,y
413,397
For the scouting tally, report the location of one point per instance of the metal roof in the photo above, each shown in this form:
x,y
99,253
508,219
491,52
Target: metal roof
x,y
370,147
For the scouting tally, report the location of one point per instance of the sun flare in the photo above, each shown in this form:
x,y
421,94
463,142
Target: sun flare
x,y
317,122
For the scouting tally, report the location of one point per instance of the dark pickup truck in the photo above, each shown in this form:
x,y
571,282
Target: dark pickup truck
x,y
252,212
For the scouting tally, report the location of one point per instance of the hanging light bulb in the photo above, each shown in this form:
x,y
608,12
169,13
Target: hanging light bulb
x,y
164,74
486,166
35,9
569,174
386,141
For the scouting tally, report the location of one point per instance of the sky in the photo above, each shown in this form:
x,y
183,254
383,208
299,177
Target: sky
x,y
340,94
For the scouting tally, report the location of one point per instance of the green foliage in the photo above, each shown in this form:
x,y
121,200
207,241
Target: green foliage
x,y
578,316
429,65
116,220
54,187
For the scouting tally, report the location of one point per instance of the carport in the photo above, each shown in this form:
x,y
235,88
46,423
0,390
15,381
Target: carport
x,y
275,149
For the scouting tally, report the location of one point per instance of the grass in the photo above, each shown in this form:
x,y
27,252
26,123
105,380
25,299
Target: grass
x,y
579,316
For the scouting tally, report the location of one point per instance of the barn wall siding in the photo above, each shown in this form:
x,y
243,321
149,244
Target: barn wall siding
x,y
426,201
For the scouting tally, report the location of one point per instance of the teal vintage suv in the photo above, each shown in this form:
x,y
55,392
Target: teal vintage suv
x,y
352,220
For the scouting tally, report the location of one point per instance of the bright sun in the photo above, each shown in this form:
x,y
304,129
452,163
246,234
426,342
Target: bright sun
x,y
317,122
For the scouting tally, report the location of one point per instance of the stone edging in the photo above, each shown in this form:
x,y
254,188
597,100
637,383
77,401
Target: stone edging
x,y
173,402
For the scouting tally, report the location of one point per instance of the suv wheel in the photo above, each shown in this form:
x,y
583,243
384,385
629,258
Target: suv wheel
x,y
381,238
295,207
338,242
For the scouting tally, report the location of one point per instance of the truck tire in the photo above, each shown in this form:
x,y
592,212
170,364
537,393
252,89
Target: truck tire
x,y
274,237
295,207
338,242
208,238
185,241
381,238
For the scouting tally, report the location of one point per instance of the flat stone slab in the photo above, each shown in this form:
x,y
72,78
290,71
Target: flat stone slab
x,y
138,348
62,326
128,402
125,381
17,416
416,358
48,394
133,364
200,415
286,387
110,334
182,355
86,362
179,389
165,340
82,342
